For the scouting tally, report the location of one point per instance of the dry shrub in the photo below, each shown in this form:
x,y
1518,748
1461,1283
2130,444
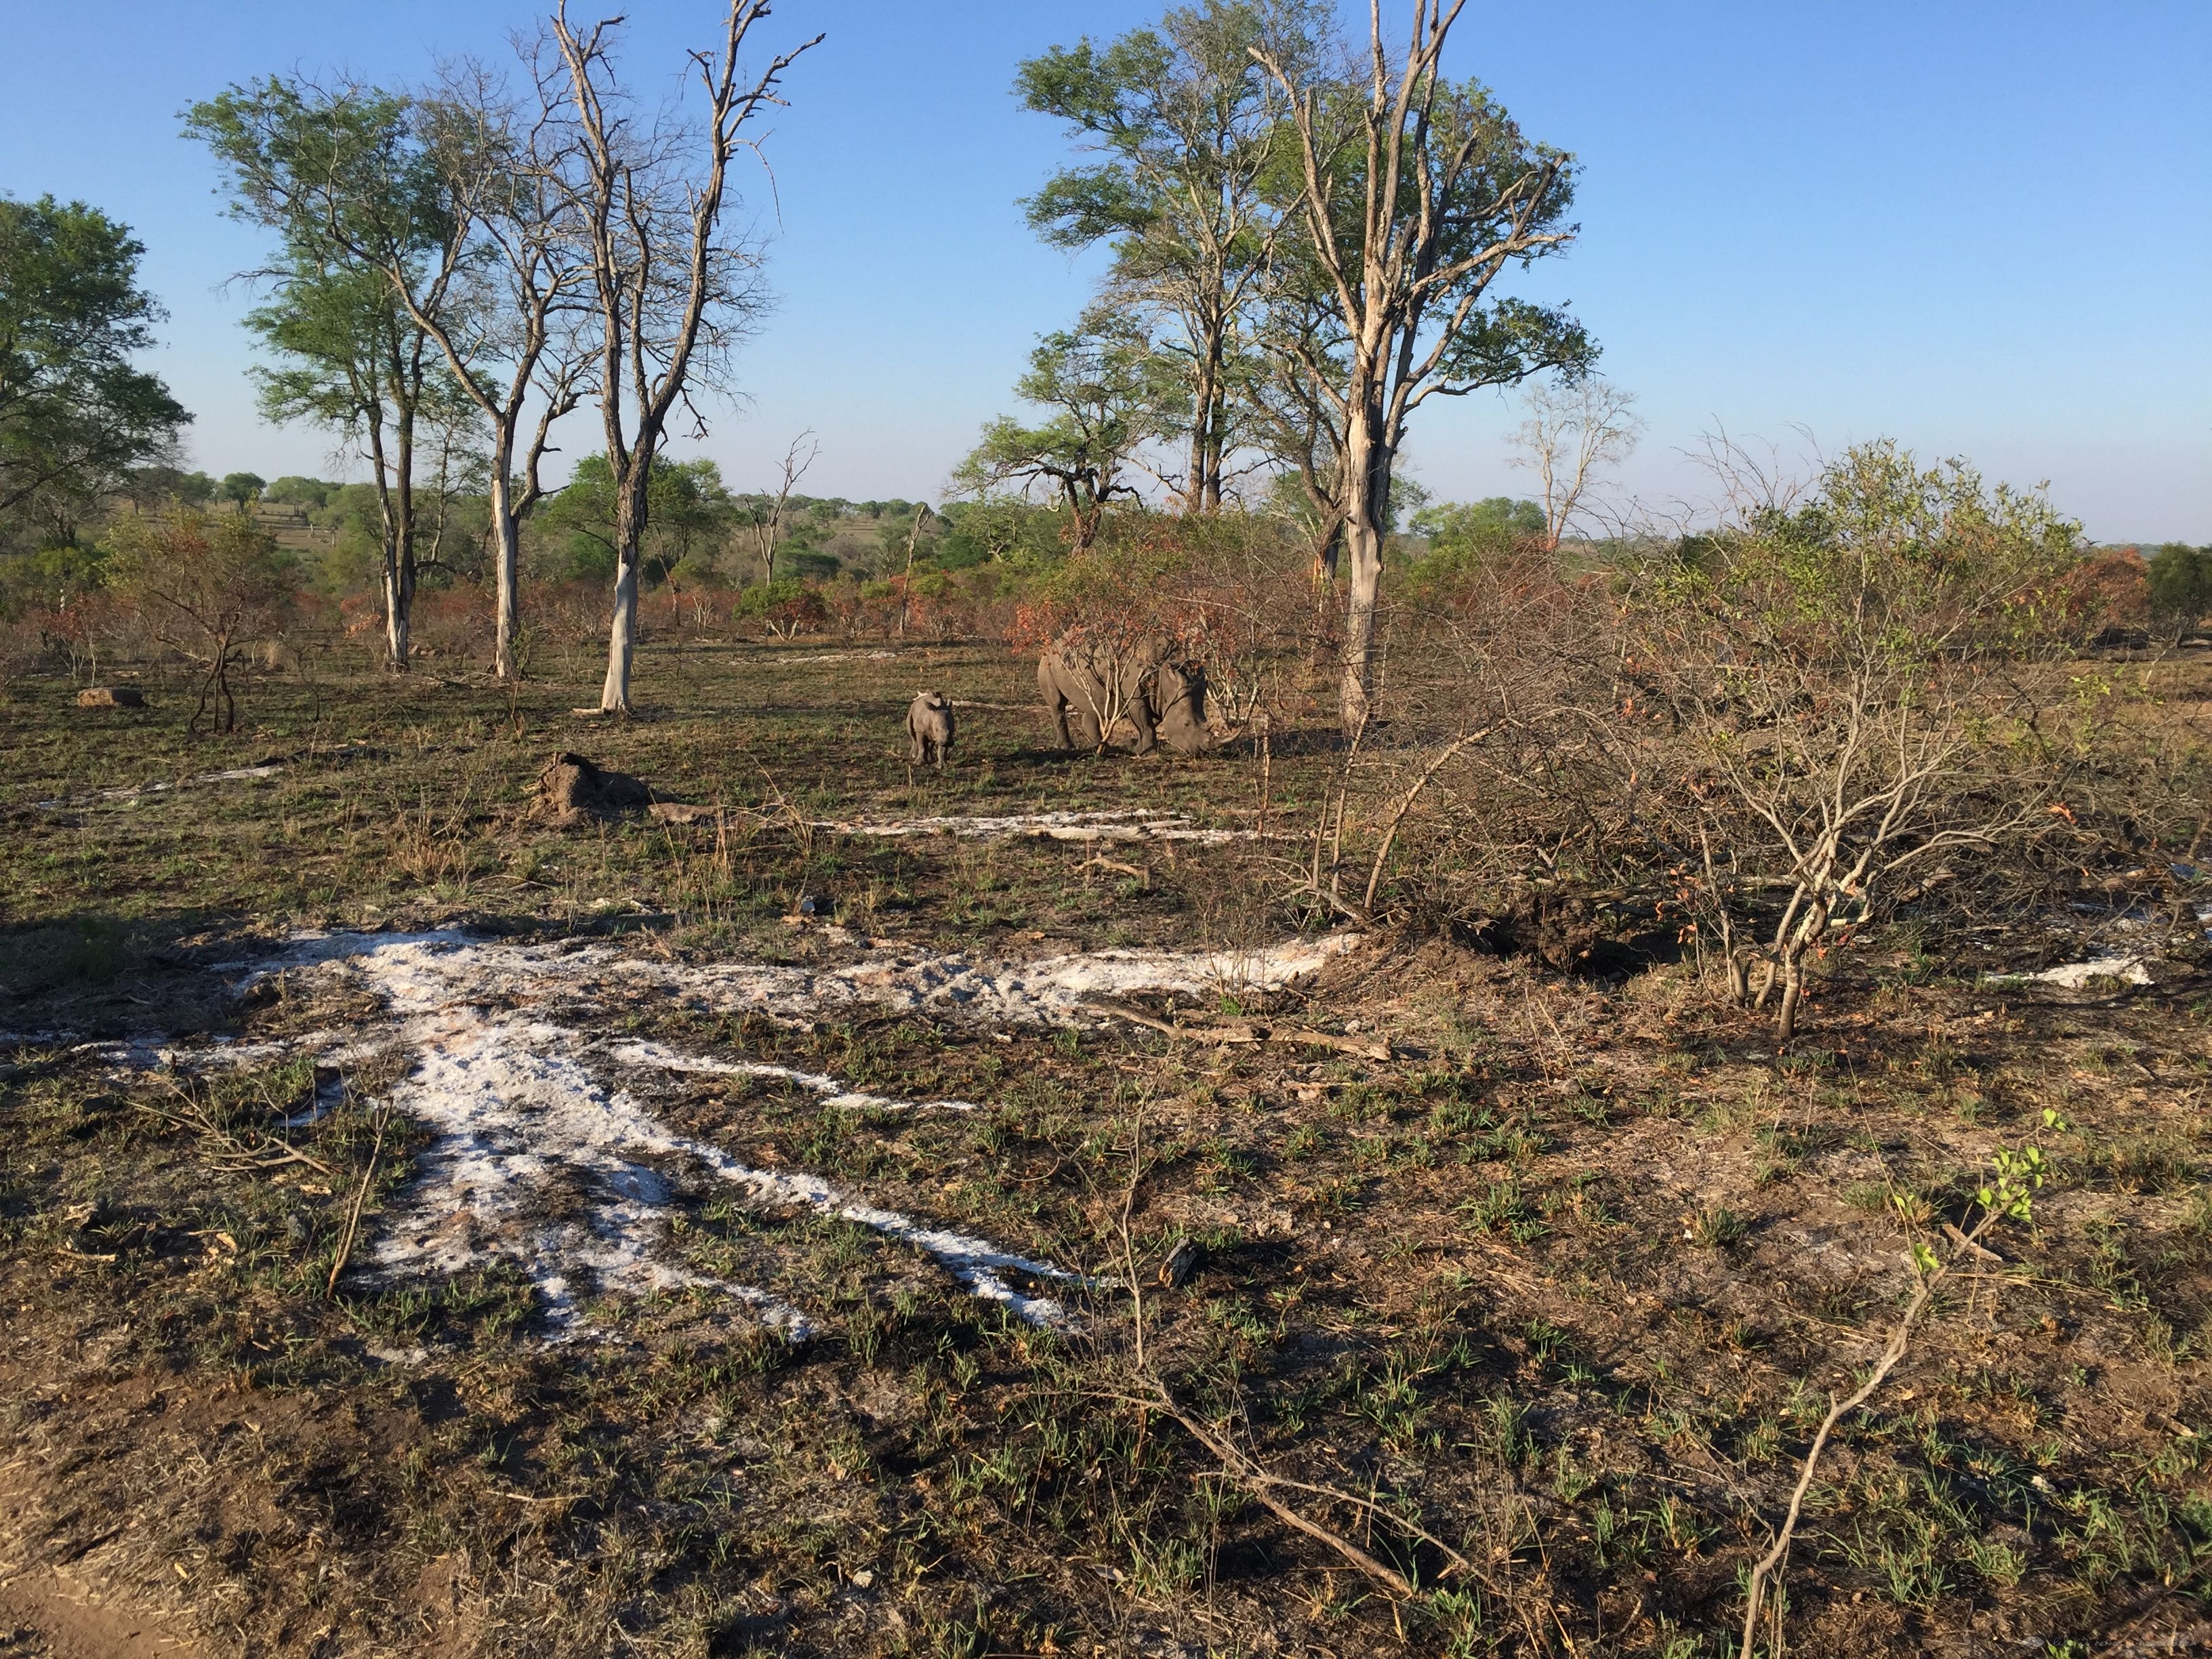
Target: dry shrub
x,y
1492,788
453,622
206,588
1753,742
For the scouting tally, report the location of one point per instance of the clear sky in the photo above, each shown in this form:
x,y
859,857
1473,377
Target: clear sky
x,y
1984,227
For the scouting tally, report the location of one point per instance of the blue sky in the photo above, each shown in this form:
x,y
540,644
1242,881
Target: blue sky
x,y
1984,228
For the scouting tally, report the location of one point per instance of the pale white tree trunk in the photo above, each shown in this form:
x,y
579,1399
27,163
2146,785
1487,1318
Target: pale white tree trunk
x,y
395,619
507,550
622,641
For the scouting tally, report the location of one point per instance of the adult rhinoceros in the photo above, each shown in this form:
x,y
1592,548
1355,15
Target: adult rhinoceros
x,y
1091,685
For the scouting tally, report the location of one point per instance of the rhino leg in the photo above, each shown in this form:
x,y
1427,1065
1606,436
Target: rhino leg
x,y
1137,708
1055,702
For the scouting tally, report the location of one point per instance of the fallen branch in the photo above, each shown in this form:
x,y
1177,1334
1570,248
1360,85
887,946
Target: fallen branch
x,y
1120,868
238,1155
1241,1468
359,1197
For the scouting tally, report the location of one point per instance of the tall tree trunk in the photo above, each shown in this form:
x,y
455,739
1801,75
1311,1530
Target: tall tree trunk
x,y
399,587
622,641
1367,491
397,626
507,548
1202,492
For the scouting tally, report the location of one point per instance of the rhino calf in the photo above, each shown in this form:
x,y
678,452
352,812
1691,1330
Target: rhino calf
x,y
929,728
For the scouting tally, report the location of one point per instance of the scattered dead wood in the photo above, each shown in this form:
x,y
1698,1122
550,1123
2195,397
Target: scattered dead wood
x,y
1103,862
236,1153
1979,1252
1239,1467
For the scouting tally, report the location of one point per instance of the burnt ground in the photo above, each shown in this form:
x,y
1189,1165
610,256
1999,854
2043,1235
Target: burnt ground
x,y
1565,1281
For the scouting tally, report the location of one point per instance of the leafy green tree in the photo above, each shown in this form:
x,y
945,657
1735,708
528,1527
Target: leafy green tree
x,y
1099,381
1415,194
159,486
292,491
993,530
242,489
75,416
1496,521
2180,585
1187,126
690,515
334,172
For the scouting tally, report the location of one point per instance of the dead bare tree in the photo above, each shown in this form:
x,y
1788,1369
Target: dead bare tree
x,y
1416,194
769,531
671,293
1573,433
906,577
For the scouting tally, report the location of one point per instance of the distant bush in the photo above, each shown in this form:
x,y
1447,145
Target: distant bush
x,y
786,607
2179,581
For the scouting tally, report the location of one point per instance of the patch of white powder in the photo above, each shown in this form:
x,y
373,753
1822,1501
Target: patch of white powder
x,y
538,1162
833,1093
1086,827
234,775
2075,976
420,971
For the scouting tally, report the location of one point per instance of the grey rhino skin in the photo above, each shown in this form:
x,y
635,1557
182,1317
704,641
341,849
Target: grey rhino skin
x,y
1163,701
929,728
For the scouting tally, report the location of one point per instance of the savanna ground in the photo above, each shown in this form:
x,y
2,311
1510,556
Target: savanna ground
x,y
1565,1281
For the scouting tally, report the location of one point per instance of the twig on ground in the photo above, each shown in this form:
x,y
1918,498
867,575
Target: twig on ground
x,y
238,1154
1241,1468
1116,866
359,1197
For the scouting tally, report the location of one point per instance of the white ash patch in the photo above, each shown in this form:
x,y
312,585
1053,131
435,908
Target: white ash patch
x,y
2106,961
1124,826
537,1161
234,774
416,972
531,1165
836,656
656,1057
2076,976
